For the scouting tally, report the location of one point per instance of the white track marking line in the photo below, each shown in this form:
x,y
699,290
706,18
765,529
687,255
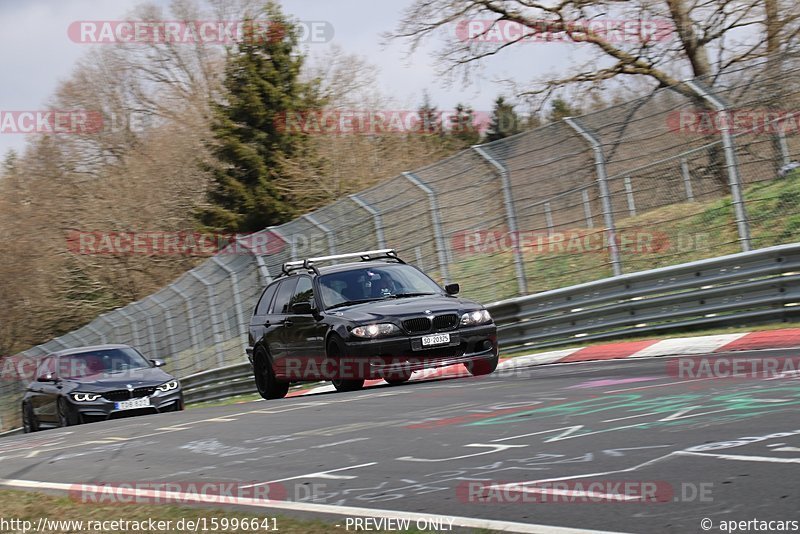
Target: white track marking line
x,y
465,522
743,458
320,474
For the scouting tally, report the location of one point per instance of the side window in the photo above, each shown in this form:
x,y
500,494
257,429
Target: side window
x,y
281,303
303,292
266,300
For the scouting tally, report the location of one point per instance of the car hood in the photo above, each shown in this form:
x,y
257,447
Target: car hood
x,y
151,376
404,307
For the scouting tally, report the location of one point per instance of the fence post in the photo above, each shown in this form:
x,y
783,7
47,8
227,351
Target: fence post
x,y
326,230
133,324
441,245
192,323
376,217
734,180
605,196
263,270
213,313
629,194
511,217
169,326
587,209
785,155
237,300
292,247
687,179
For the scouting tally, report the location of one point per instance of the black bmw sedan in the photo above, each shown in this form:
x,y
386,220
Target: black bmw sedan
x,y
374,318
89,384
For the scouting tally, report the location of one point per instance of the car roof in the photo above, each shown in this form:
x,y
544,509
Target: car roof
x,y
92,348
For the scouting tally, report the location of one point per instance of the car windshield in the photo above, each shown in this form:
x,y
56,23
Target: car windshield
x,y
374,283
104,361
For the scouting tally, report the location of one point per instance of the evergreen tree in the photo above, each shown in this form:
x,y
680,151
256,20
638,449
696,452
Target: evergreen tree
x,y
504,122
253,127
430,121
560,108
463,127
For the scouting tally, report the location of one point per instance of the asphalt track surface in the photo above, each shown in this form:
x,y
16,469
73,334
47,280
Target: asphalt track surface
x,y
418,447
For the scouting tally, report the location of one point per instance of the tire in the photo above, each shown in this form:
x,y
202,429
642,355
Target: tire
x,y
398,378
335,352
66,417
268,386
29,422
483,367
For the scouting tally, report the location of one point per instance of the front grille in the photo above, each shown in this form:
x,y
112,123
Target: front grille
x,y
445,322
124,394
417,325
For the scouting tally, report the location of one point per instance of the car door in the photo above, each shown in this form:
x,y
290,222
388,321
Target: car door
x,y
305,335
45,394
260,321
275,335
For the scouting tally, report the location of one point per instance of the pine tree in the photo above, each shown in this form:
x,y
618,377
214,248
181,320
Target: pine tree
x,y
430,121
463,127
504,122
263,94
559,109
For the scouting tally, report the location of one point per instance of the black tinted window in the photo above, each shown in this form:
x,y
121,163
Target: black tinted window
x,y
303,292
266,300
285,291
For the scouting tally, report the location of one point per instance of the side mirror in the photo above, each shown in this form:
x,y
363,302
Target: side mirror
x,y
157,363
452,289
47,377
302,308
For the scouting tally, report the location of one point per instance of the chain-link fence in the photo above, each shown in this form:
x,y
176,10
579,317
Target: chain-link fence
x,y
689,172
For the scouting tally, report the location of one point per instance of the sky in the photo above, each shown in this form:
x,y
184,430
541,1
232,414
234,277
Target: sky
x,y
38,54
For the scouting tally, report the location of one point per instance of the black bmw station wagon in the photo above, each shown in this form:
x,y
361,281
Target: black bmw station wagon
x,y
377,317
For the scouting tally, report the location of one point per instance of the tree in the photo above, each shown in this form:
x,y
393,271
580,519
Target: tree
x,y
263,95
430,120
560,108
463,127
504,121
682,41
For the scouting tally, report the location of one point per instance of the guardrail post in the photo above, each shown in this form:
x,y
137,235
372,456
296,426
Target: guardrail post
x,y
511,217
687,179
326,230
213,313
376,217
587,209
441,244
734,180
237,300
605,196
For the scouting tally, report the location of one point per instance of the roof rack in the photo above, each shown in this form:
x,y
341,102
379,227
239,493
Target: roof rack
x,y
308,264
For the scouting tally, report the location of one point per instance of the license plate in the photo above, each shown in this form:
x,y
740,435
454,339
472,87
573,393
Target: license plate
x,y
435,339
132,404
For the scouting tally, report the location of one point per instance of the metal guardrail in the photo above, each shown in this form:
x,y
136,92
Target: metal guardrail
x,y
749,287
745,288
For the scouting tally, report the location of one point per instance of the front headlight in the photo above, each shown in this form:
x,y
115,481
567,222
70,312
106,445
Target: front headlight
x,y
371,331
85,397
475,318
169,386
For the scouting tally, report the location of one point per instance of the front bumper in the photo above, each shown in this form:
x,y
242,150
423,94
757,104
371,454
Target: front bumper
x,y
103,409
380,358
